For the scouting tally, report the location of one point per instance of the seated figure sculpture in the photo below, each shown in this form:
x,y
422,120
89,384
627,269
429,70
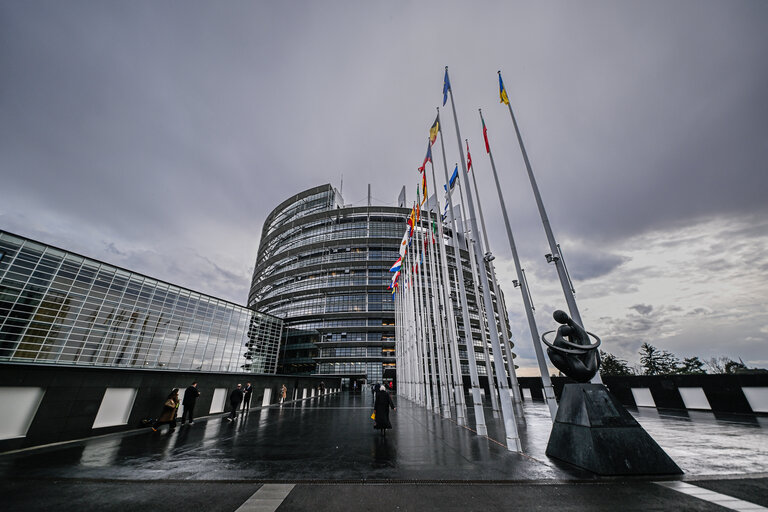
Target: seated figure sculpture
x,y
571,352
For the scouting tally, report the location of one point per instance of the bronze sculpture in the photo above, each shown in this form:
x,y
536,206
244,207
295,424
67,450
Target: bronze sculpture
x,y
572,351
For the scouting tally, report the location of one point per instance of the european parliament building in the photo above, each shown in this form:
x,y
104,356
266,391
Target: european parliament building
x,y
61,308
323,268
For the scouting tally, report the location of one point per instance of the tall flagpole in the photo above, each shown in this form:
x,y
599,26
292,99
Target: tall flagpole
x,y
480,310
549,394
419,323
508,413
428,323
423,359
445,402
436,318
451,332
555,256
507,342
477,400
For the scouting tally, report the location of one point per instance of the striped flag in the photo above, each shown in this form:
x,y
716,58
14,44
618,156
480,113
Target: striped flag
x,y
433,130
427,158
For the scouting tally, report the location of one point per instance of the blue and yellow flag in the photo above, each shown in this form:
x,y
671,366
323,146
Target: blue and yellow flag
x,y
446,86
502,91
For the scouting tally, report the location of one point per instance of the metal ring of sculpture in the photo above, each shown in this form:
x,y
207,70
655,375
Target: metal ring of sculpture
x,y
576,348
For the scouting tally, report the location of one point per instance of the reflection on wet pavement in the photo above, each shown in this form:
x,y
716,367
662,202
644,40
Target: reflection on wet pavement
x,y
331,438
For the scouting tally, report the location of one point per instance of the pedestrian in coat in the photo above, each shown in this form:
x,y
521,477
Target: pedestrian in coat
x,y
381,406
190,399
247,396
374,388
235,399
170,406
283,393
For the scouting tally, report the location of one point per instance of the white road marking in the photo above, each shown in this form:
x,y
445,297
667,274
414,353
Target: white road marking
x,y
267,498
723,500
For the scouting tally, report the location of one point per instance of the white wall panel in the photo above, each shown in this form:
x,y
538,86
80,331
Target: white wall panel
x,y
694,398
757,397
643,397
115,408
219,400
267,397
18,406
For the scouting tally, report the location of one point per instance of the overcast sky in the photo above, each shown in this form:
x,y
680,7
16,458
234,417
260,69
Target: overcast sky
x,y
158,135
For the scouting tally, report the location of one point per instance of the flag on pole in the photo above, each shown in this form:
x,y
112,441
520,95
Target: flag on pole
x,y
434,129
397,265
485,135
452,181
427,158
424,187
469,159
502,91
404,243
447,85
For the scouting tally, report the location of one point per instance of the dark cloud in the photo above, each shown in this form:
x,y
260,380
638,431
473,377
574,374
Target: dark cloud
x,y
159,138
643,309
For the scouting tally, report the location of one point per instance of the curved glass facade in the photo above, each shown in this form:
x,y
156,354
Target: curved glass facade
x,y
324,269
62,308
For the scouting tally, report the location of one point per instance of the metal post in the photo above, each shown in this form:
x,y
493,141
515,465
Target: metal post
x,y
555,254
508,413
477,400
501,307
451,332
480,310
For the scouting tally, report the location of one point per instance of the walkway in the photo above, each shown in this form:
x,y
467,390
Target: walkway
x,y
327,448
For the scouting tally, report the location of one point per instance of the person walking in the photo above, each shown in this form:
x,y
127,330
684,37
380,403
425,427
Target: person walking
x,y
247,396
381,407
235,399
190,399
374,388
283,394
170,406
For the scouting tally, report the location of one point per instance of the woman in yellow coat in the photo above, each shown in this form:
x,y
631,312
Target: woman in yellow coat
x,y
170,407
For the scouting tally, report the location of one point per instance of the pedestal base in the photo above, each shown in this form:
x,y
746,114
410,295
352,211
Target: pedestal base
x,y
594,431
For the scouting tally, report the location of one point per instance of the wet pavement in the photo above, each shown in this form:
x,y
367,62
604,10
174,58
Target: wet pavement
x,y
327,446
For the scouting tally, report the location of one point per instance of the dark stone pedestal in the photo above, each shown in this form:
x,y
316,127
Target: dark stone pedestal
x,y
594,431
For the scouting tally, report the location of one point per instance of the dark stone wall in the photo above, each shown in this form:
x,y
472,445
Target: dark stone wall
x,y
73,395
723,391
